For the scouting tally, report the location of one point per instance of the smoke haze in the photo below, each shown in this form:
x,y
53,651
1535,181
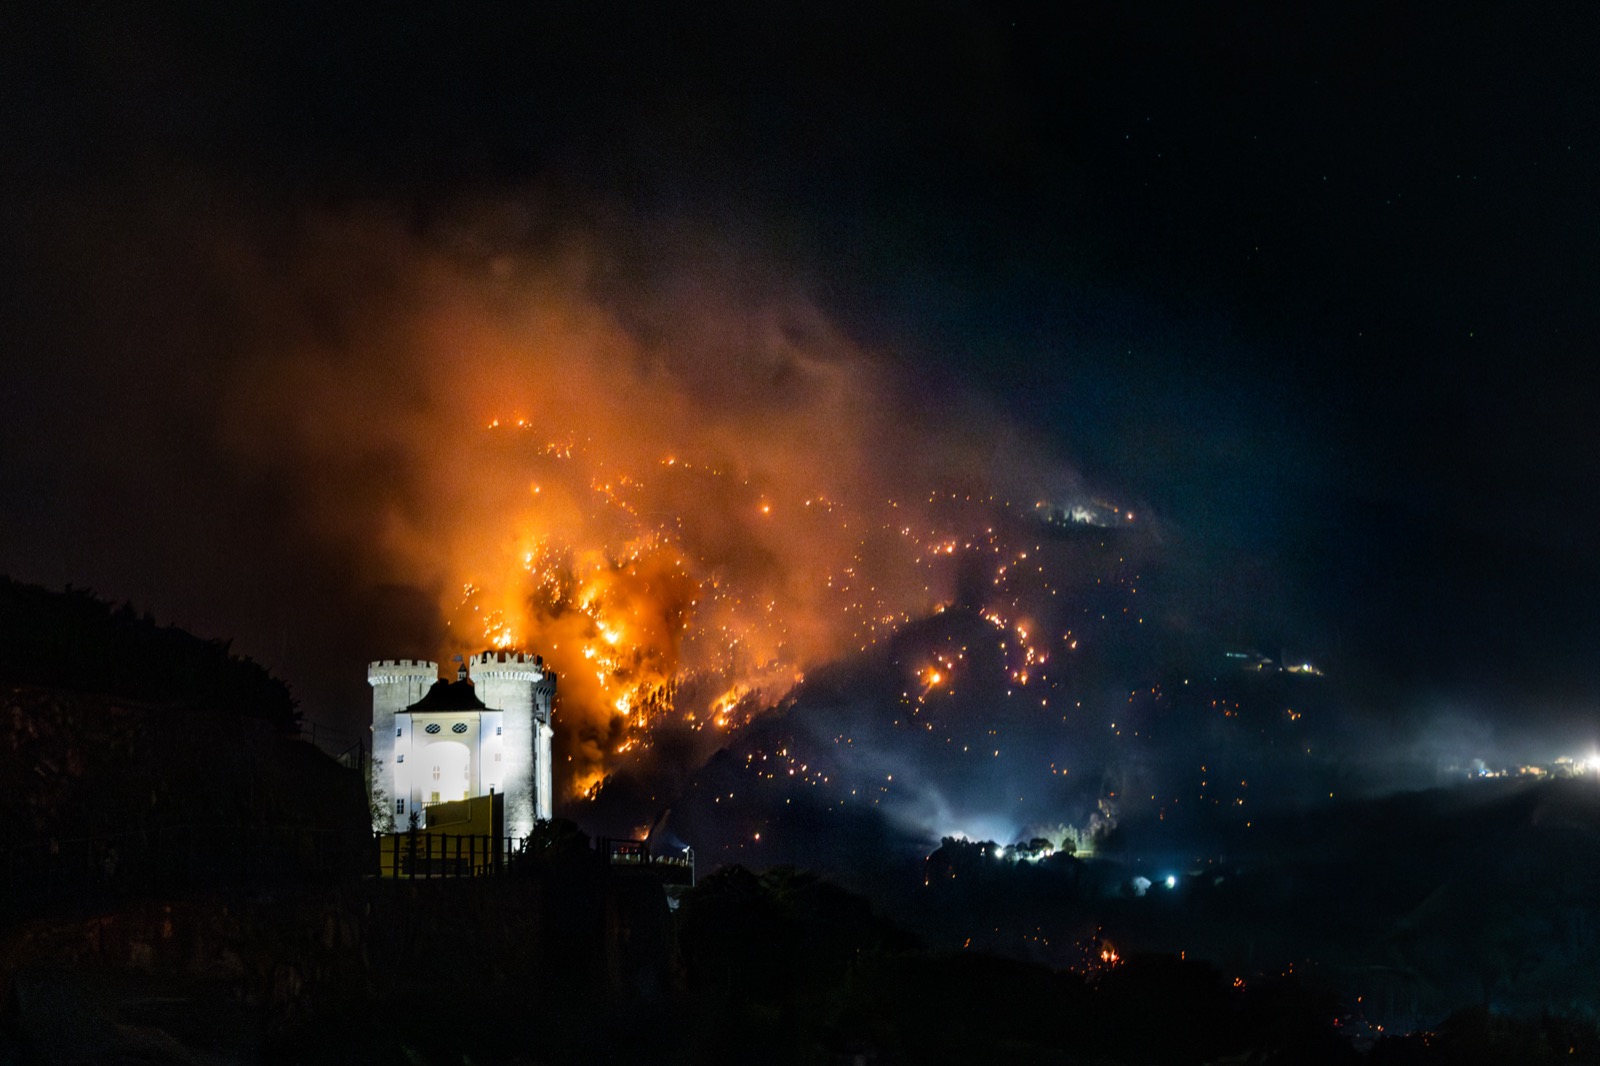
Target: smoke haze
x,y
675,478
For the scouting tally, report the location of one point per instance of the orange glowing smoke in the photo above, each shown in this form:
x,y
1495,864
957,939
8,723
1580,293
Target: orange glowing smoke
x,y
681,493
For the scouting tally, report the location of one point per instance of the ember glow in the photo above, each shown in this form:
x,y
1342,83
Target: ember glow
x,y
695,594
682,498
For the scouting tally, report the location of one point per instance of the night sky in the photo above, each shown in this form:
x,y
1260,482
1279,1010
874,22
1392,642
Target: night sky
x,y
1316,291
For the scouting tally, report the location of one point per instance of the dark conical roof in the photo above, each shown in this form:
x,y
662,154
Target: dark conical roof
x,y
449,696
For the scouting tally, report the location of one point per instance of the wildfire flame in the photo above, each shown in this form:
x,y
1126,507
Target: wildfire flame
x,y
652,622
682,498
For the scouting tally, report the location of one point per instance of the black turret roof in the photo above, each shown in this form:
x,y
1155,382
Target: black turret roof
x,y
449,696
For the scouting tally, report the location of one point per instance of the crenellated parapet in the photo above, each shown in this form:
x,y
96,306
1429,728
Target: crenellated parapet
x,y
399,671
506,666
507,657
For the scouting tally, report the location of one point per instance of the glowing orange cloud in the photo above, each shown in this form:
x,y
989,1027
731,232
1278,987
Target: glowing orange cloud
x,y
683,498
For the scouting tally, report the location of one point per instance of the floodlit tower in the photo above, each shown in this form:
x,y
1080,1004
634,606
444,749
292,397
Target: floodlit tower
x,y
396,685
519,686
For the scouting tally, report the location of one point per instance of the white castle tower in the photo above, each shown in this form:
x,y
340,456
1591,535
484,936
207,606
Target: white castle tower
x,y
436,741
396,685
524,693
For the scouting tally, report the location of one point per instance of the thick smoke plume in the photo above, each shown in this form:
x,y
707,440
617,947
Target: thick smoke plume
x,y
681,487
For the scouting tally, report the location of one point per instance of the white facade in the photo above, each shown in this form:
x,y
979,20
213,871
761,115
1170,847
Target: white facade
x,y
396,685
435,741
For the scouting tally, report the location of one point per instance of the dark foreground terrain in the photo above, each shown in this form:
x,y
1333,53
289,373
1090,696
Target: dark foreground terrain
x,y
563,960
186,880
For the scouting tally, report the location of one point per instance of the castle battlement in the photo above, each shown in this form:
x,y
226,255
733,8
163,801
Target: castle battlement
x,y
507,665
507,657
390,671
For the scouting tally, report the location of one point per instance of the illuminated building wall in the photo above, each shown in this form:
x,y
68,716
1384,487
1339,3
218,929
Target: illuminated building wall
x,y
396,685
436,741
519,686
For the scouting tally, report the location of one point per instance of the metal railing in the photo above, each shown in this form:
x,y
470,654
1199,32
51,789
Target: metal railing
x,y
414,855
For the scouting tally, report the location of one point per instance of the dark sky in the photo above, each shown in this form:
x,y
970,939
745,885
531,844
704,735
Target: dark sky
x,y
1318,288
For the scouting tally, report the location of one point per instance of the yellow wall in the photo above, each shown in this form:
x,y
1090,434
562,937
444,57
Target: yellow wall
x,y
460,838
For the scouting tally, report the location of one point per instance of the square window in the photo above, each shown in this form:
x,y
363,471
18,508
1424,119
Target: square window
x,y
496,730
396,730
399,758
399,806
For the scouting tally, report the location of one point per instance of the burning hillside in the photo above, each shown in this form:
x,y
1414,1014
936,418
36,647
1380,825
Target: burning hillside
x,y
683,494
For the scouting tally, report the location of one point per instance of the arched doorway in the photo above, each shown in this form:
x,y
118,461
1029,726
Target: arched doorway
x,y
446,771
